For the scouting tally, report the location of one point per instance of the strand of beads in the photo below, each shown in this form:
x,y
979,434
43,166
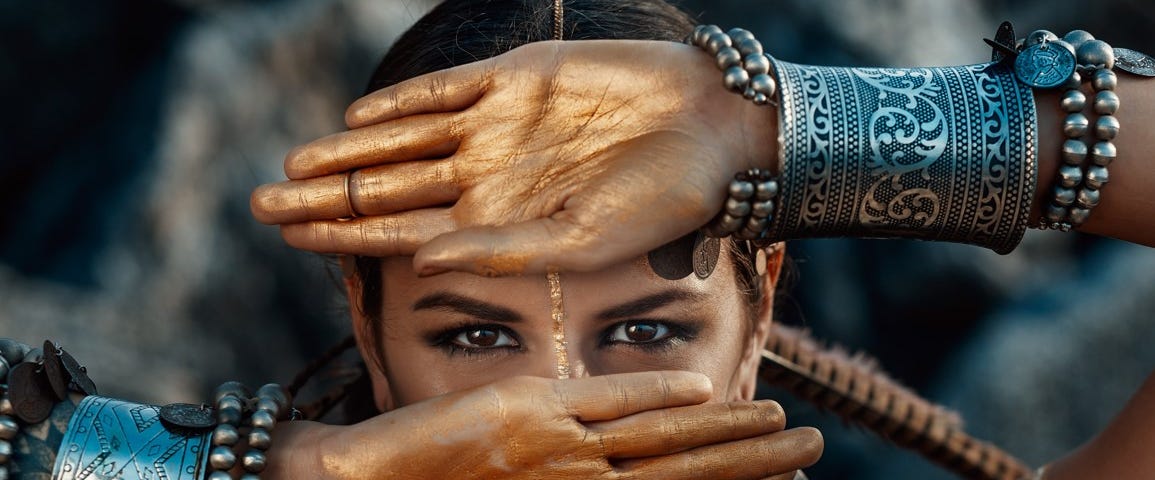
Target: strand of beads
x,y
745,67
11,354
236,408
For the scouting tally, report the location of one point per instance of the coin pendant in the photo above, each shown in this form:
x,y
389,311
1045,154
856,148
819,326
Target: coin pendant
x,y
79,380
1134,62
706,251
54,371
1044,66
187,416
30,394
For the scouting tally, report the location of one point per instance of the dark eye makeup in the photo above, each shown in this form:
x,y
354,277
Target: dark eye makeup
x,y
649,335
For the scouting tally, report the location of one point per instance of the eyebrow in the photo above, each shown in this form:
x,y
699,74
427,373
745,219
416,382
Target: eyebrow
x,y
446,301
648,304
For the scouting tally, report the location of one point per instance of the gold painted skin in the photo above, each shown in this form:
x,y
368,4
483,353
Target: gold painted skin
x,y
557,313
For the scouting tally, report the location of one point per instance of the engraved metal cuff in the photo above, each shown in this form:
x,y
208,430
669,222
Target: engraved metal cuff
x,y
945,153
109,438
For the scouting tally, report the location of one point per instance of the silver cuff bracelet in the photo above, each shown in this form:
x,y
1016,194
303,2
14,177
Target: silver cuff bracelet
x,y
944,153
109,439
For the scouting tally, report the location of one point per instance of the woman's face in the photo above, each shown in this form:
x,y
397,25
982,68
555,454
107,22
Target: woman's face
x,y
456,331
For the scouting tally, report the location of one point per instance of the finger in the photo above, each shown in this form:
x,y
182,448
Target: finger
x,y
411,138
786,476
448,90
609,397
371,191
670,430
384,236
752,458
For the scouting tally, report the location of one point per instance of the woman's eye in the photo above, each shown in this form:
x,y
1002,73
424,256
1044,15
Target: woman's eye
x,y
484,337
640,332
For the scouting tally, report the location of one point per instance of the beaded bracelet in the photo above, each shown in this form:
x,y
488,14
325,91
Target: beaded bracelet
x,y
12,353
236,408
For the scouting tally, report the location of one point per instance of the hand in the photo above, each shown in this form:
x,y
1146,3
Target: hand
x,y
628,426
571,155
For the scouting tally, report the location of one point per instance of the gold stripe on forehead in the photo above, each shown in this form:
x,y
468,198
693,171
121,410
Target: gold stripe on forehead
x,y
557,313
558,19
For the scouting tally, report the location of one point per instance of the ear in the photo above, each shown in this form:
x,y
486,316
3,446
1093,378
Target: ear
x,y
366,341
747,375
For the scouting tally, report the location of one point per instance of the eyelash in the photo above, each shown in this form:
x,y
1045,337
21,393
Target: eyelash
x,y
445,340
679,334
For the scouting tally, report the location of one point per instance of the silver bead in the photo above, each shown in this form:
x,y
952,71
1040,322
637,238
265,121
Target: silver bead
x,y
1088,198
222,458
1064,197
756,225
263,419
1040,36
741,190
1073,101
225,435
8,428
1096,177
6,406
265,403
3,473
756,64
1103,153
1074,81
749,46
761,99
3,369
254,461
1074,152
749,93
5,451
1070,176
1106,102
730,223
737,208
1106,127
249,476
230,416
1078,215
1096,53
735,79
1077,38
220,476
766,190
1063,44
703,32
1104,79
1075,125
717,41
740,34
727,57
762,209
1055,213
13,351
764,84
260,438
233,389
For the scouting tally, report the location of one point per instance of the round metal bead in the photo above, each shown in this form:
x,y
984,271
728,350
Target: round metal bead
x,y
735,79
764,84
1095,53
1074,151
220,476
270,405
3,368
3,473
703,32
749,93
1063,44
1039,36
1106,102
761,99
260,438
1104,79
225,435
1074,81
232,388
740,34
1103,153
222,458
756,64
741,190
717,41
1077,38
727,57
1055,213
737,208
1078,215
1088,198
231,402
250,476
756,225
1106,127
1073,101
6,406
766,190
8,428
749,46
1064,196
730,223
13,351
263,419
1075,125
254,461
230,416
5,451
1070,176
1096,177
762,209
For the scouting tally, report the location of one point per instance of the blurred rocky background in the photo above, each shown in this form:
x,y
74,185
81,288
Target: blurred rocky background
x,y
134,130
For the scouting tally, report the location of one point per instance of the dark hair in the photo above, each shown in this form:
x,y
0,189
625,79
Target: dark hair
x,y
463,31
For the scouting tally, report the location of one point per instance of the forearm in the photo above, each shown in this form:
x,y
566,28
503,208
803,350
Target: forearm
x,y
34,449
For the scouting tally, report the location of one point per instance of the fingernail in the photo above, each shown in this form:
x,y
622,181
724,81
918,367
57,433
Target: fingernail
x,y
431,270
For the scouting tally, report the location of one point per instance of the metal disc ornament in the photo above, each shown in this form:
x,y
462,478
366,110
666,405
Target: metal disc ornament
x,y
187,416
1044,65
1134,62
77,374
706,251
30,394
54,371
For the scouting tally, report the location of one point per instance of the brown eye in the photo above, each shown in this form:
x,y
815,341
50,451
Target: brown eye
x,y
484,337
640,332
